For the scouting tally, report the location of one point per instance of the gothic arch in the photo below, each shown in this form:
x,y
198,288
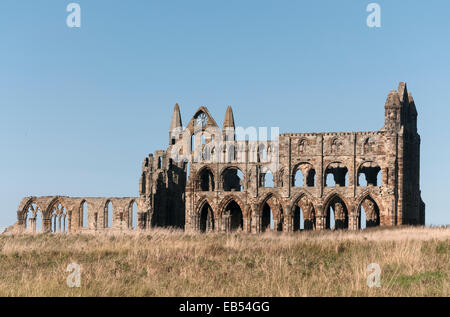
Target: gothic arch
x,y
211,123
339,171
27,206
270,209
372,172
206,178
228,178
305,205
59,214
106,213
341,211
234,220
371,209
130,213
206,216
224,202
81,216
307,172
23,207
266,198
267,177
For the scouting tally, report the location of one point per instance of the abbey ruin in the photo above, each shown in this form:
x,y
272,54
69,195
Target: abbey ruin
x,y
209,180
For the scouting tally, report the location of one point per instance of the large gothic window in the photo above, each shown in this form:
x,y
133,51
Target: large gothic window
x,y
201,120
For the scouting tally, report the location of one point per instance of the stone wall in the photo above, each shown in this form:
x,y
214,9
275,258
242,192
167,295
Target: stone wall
x,y
208,181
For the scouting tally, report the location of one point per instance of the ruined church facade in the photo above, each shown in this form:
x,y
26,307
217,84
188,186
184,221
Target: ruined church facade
x,y
209,180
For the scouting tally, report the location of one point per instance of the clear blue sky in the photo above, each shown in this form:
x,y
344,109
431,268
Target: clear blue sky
x,y
81,108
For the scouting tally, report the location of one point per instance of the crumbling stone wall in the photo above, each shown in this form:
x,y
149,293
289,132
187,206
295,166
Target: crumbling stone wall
x,y
208,181
61,214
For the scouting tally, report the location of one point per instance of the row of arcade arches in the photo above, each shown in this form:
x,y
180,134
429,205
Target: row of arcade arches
x,y
304,175
303,215
61,218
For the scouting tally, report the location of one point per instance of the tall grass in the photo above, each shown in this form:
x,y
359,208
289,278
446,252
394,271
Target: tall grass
x,y
414,261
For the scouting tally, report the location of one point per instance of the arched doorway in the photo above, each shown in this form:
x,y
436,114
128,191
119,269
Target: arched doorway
x,y
336,210
234,213
271,214
206,218
369,213
304,215
206,178
267,223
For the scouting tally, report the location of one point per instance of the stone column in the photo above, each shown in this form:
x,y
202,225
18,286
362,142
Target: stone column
x,y
141,220
320,218
287,225
226,223
46,224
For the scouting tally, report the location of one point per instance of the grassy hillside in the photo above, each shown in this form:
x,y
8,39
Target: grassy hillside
x,y
413,262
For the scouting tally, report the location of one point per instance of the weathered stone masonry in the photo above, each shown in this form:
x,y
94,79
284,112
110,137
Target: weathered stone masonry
x,y
320,181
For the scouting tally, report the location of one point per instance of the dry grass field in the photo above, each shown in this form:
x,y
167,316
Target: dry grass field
x,y
413,262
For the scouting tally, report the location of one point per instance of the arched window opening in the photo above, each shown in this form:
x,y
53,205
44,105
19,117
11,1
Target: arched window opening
x,y
33,219
59,219
159,162
206,218
132,216
337,211
369,174
109,210
336,146
232,179
369,214
304,174
206,180
231,153
234,212
203,139
267,178
84,212
340,175
192,143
